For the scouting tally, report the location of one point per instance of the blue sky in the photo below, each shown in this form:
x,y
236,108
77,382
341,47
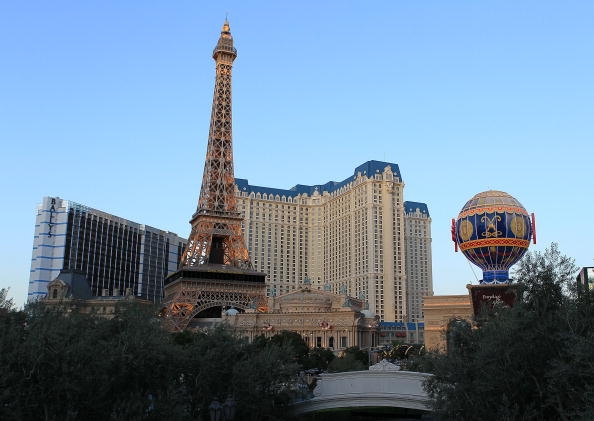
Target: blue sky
x,y
107,103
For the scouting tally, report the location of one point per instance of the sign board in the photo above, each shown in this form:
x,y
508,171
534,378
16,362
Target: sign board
x,y
487,296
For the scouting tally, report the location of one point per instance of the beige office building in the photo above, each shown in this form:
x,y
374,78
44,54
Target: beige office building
x,y
357,237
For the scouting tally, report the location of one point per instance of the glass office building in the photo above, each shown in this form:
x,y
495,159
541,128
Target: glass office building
x,y
115,254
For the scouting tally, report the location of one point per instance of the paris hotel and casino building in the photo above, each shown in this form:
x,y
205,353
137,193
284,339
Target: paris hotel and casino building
x,y
357,237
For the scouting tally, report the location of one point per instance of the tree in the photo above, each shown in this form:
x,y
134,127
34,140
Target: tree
x,y
67,366
318,358
348,362
6,304
293,343
546,279
260,377
352,359
264,382
70,366
206,362
529,362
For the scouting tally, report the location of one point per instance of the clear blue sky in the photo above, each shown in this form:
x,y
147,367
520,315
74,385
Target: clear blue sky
x,y
107,103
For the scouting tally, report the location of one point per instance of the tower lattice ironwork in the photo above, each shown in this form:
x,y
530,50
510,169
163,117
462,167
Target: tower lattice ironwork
x,y
215,269
216,235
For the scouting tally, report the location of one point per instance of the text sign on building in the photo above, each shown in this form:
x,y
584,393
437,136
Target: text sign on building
x,y
487,296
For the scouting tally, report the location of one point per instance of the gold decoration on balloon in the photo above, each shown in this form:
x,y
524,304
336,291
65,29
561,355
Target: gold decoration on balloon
x,y
491,224
466,229
518,226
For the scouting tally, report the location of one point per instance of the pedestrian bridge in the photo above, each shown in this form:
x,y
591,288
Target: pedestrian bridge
x,y
377,387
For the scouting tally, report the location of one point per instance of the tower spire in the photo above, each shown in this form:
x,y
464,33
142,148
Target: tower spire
x,y
216,235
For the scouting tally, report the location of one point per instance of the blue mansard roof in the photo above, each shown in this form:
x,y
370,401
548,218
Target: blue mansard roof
x,y
411,207
368,168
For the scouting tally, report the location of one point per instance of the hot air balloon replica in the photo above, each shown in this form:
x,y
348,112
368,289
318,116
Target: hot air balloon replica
x,y
493,230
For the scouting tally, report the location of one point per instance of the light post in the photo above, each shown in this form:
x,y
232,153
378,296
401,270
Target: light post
x,y
369,349
215,409
229,408
222,412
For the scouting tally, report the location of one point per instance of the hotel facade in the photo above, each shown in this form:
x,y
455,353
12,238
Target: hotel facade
x,y
356,237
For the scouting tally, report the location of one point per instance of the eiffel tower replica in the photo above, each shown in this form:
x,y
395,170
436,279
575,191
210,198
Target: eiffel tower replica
x,y
215,271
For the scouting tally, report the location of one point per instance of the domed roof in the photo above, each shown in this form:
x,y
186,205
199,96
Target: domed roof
x,y
368,314
493,231
492,198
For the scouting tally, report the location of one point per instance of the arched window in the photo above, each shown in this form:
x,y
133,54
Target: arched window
x,y
55,293
331,342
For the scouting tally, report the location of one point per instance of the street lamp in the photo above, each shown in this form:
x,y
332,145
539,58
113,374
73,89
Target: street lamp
x,y
224,412
215,408
369,349
229,408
